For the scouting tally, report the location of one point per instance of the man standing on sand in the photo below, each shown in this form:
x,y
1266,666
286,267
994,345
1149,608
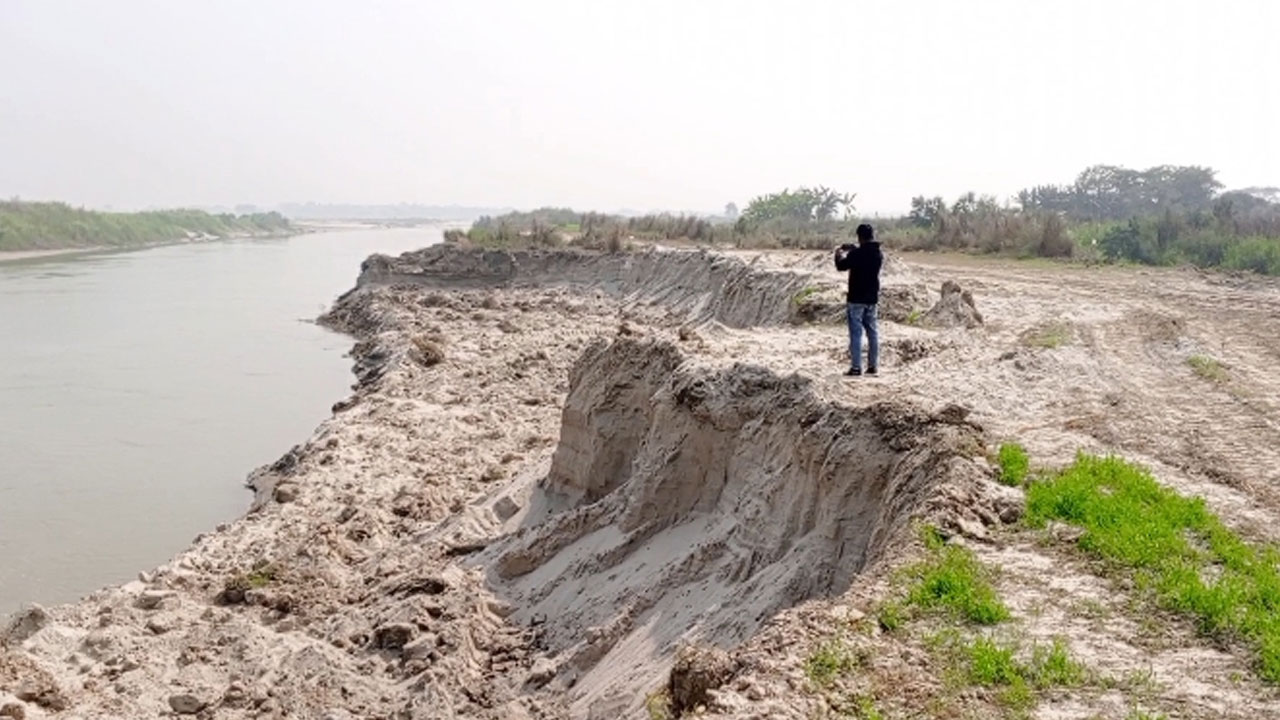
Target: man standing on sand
x,y
862,262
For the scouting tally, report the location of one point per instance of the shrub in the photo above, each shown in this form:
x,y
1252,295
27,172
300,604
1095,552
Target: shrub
x,y
1054,241
1259,254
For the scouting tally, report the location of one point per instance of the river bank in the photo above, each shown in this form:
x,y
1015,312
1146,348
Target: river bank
x,y
556,469
21,255
15,255
39,226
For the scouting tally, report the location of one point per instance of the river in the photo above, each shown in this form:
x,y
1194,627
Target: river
x,y
138,389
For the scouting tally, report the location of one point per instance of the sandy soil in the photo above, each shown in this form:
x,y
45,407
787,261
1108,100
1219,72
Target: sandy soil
x,y
555,471
14,255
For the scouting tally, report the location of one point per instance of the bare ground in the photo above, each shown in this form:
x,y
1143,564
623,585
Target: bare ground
x,y
557,470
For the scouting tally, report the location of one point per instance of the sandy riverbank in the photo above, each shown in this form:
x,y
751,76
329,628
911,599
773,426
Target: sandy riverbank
x,y
557,469
15,255
19,255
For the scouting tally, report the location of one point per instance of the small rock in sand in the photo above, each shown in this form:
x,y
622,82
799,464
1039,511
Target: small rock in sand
x,y
394,636
154,599
186,704
285,493
44,693
505,507
424,648
235,696
541,673
13,710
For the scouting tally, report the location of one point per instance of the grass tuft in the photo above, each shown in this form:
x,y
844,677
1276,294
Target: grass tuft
x,y
991,663
1177,550
1014,464
1053,667
890,616
1005,666
829,661
804,294
259,576
1048,336
658,705
1207,368
866,709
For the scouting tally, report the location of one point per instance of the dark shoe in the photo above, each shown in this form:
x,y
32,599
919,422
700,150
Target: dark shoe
x,y
853,372
872,371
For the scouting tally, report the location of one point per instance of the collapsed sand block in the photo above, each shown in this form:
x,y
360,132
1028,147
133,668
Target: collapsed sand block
x,y
954,309
695,671
693,502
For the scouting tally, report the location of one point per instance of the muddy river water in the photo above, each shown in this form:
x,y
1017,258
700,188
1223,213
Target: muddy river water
x,y
138,389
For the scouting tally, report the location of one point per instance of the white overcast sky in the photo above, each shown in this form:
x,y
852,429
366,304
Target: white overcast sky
x,y
648,104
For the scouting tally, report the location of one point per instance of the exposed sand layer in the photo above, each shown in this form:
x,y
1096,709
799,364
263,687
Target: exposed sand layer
x,y
15,255
557,469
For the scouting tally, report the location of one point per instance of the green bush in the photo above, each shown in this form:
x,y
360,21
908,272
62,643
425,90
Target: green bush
x,y
1259,254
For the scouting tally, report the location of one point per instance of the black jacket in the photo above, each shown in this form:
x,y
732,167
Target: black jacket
x,y
863,265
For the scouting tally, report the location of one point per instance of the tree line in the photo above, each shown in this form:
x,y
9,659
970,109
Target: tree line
x,y
54,225
1162,215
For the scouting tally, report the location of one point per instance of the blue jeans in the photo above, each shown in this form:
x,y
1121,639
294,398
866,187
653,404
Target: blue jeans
x,y
863,317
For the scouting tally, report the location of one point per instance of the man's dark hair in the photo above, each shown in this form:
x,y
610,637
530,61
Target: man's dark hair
x,y
865,233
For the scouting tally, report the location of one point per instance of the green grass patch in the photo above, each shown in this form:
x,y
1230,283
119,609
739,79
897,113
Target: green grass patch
x,y
1016,673
913,317
1178,551
1014,464
1207,368
952,580
991,663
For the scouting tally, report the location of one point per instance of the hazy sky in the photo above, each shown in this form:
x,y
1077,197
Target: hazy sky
x,y
602,104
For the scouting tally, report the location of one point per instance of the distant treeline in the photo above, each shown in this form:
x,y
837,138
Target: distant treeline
x,y
1160,216
1164,215
52,225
